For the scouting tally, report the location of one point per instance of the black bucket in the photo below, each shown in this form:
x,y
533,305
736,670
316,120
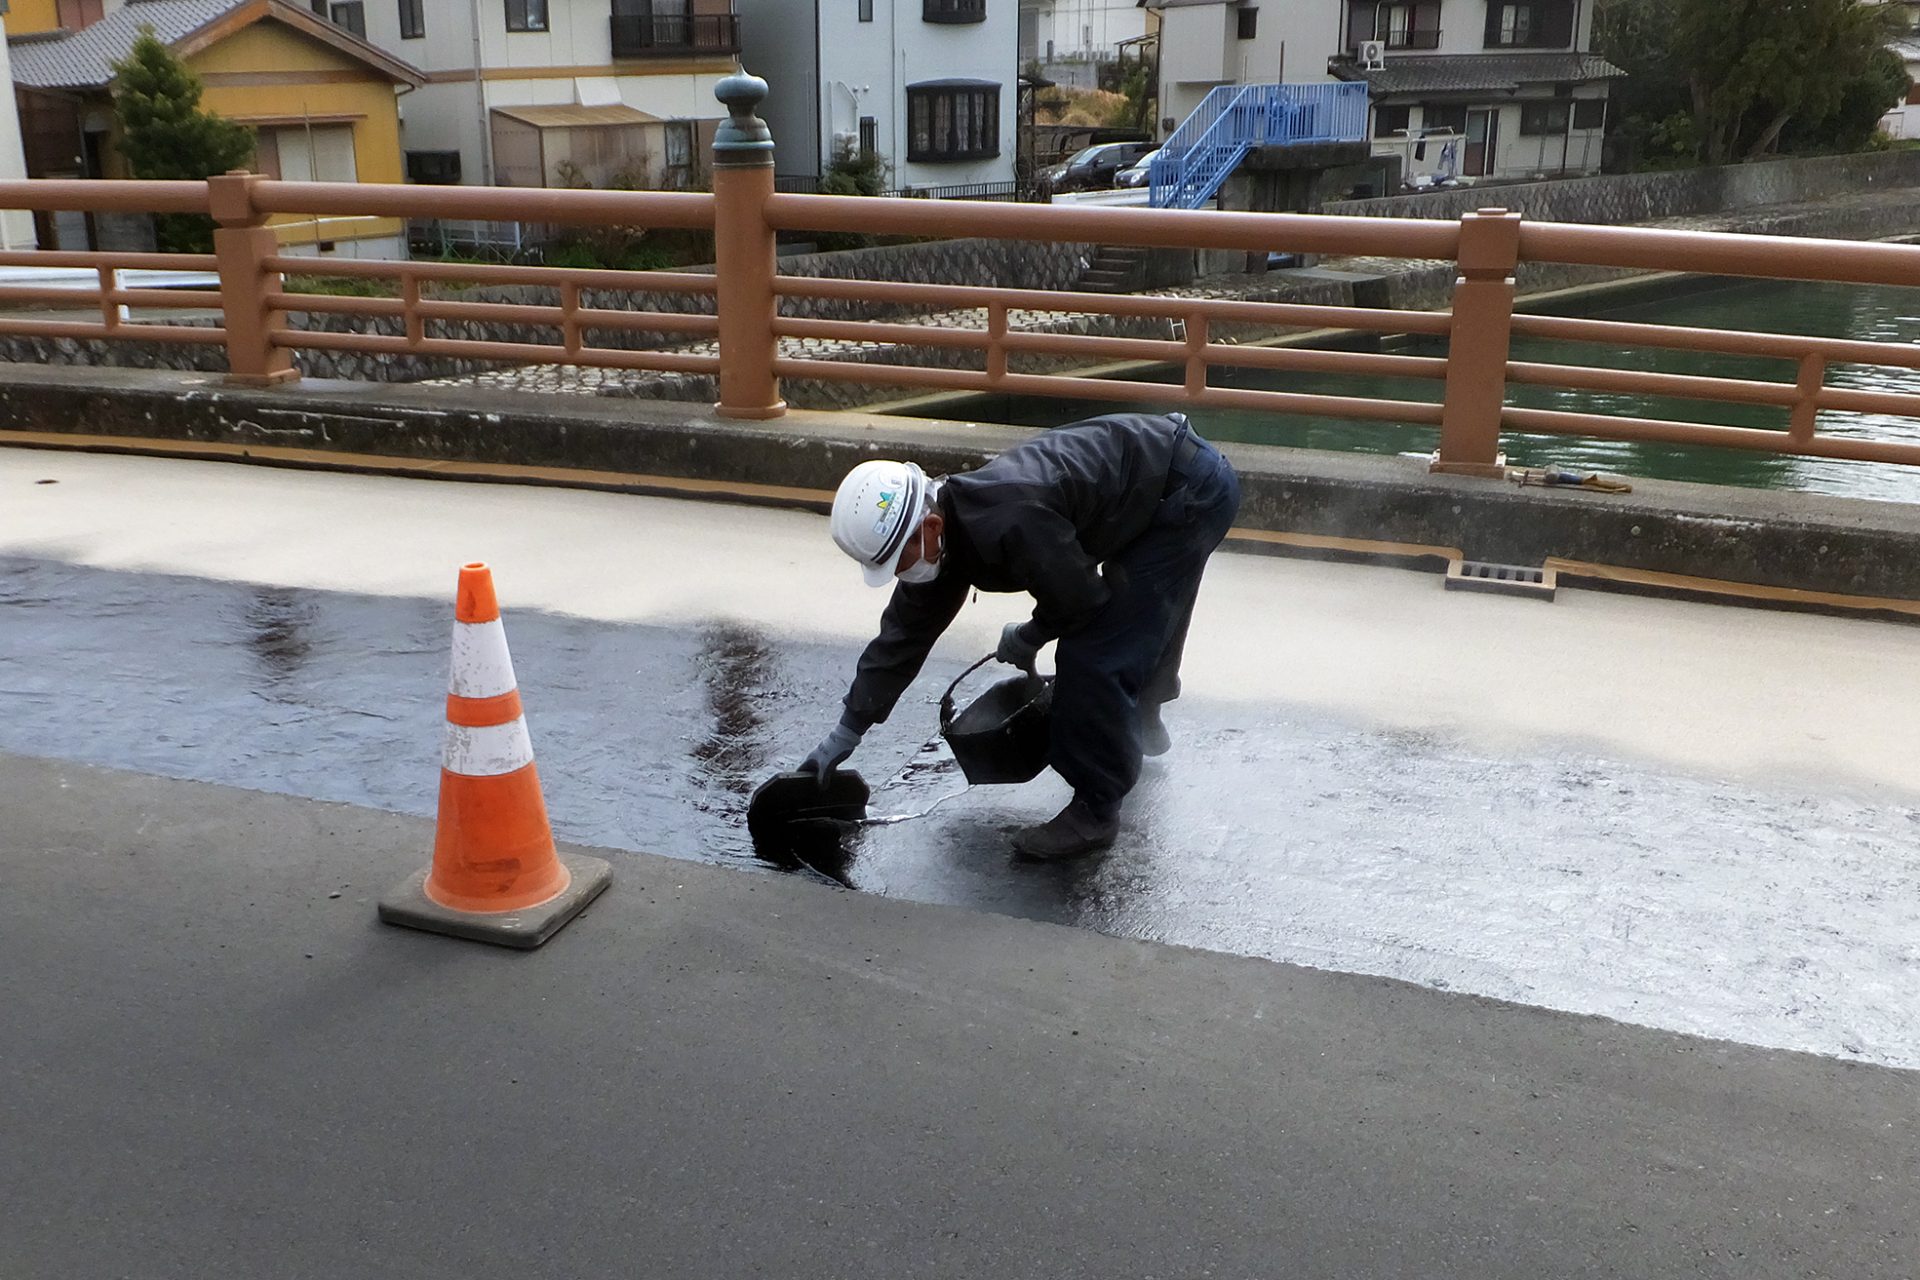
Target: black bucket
x,y
1003,735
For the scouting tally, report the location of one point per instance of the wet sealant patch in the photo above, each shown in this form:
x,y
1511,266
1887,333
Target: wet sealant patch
x,y
1773,917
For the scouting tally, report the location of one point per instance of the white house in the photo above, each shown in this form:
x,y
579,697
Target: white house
x,y
1078,30
1208,43
1904,120
928,85
1478,88
550,92
16,226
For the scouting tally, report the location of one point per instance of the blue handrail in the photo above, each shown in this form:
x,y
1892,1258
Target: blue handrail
x,y
1233,119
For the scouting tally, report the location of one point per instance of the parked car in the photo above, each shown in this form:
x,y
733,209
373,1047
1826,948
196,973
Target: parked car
x,y
1094,168
1135,175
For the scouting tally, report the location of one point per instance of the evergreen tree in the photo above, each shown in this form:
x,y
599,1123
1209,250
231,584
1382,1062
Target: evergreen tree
x,y
1726,80
165,135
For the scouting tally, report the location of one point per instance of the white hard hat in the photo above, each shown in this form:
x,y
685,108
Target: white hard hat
x,y
875,511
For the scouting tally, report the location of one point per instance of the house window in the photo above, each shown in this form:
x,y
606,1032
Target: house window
x,y
679,144
953,120
953,10
869,134
433,168
1516,24
351,15
413,19
526,15
1590,113
307,153
77,15
1249,23
866,10
1392,122
1449,119
1538,118
1530,24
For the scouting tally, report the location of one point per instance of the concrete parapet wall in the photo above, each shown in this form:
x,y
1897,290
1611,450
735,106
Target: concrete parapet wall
x,y
1779,540
1650,197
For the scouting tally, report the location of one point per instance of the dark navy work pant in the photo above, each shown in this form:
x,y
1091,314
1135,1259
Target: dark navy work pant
x,y
1130,652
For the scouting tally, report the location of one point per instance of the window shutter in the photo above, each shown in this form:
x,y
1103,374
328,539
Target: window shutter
x,y
1494,10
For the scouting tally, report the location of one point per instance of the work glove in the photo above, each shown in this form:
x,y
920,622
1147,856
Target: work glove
x,y
1017,647
831,753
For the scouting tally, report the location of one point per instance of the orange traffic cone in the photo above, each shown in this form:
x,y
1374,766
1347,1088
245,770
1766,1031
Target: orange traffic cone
x,y
496,876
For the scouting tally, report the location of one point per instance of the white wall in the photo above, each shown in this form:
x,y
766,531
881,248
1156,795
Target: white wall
x,y
16,226
1200,47
865,69
777,44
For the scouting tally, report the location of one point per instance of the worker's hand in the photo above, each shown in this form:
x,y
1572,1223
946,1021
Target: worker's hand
x,y
831,754
1017,648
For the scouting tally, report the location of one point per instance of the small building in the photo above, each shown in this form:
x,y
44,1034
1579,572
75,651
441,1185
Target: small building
x,y
1904,120
1481,88
1205,44
1502,89
558,92
1078,44
320,101
930,86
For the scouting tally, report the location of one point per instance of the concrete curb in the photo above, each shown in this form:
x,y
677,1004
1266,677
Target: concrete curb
x,y
1787,541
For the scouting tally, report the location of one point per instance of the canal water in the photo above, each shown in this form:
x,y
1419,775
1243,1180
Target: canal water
x,y
1879,313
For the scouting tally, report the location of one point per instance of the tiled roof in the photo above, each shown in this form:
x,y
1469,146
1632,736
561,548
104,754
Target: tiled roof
x,y
84,59
1479,73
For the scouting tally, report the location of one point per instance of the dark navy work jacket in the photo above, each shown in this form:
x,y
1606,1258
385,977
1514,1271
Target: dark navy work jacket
x,y
1040,518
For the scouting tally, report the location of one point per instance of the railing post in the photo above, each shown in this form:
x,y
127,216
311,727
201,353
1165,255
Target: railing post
x,y
1478,349
249,294
744,256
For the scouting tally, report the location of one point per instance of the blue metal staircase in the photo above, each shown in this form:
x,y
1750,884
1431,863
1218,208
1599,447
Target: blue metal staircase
x,y
1234,119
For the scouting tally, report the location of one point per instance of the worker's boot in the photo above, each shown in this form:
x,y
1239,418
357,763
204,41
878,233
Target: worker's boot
x,y
1154,738
1074,832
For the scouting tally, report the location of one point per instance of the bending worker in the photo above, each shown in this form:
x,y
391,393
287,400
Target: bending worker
x,y
1139,495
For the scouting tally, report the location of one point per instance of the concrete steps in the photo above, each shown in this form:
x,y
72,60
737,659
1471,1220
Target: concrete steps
x,y
1115,269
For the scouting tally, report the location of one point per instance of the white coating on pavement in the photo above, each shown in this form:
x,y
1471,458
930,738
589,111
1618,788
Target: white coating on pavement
x,y
1731,692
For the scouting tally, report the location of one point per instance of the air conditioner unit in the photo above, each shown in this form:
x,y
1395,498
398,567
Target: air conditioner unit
x,y
1373,54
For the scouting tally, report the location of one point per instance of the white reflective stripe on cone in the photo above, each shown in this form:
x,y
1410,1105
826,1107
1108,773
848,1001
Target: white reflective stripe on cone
x,y
482,667
488,751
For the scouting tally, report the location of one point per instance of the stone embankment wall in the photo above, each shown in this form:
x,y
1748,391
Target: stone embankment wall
x,y
1007,264
1653,197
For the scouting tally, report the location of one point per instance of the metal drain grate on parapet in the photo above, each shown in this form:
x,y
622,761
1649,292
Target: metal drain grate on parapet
x,y
1502,579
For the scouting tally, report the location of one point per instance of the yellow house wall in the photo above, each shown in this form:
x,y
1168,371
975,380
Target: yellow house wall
x,y
304,77
27,17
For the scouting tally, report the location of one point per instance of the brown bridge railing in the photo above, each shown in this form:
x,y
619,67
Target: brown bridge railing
x,y
741,303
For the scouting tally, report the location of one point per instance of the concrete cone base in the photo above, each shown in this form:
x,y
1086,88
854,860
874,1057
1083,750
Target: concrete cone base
x,y
525,929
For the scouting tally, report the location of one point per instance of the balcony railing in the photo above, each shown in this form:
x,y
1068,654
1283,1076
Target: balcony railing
x,y
665,35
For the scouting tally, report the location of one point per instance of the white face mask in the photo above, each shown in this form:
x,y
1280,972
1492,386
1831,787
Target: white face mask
x,y
926,570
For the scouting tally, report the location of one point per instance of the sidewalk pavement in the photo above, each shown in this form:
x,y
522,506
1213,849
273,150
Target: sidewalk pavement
x,y
218,1064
